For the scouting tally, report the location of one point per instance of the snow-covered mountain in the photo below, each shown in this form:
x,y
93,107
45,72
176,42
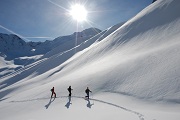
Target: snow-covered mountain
x,y
15,53
12,46
133,73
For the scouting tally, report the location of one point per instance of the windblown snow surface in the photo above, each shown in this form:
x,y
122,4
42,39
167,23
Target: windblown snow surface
x,y
133,74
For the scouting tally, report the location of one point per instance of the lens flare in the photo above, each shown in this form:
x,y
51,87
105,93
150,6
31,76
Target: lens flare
x,y
78,12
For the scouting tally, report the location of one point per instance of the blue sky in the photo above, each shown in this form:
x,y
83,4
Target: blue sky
x,y
40,20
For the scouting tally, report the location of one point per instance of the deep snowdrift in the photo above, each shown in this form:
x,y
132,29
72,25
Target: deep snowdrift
x,y
138,62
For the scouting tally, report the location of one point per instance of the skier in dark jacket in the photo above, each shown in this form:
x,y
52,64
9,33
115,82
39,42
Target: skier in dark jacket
x,y
53,93
69,89
87,92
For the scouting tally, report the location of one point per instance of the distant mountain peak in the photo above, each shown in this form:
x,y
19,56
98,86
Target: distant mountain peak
x,y
13,46
87,32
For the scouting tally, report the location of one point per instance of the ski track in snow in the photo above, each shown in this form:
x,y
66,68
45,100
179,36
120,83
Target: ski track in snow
x,y
141,116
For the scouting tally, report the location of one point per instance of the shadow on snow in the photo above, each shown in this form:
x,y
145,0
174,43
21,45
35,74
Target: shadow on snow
x,y
50,101
89,104
68,103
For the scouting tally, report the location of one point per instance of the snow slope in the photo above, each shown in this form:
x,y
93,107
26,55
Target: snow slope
x,y
133,73
11,46
14,60
59,54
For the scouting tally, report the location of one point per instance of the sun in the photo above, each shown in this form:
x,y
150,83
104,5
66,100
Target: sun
x,y
78,12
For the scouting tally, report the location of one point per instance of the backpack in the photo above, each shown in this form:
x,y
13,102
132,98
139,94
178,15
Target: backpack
x,y
69,89
86,91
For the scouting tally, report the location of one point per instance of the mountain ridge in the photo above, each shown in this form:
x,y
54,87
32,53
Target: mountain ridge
x,y
11,43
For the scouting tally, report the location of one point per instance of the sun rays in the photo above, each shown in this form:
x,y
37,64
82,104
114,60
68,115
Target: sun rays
x,y
78,12
77,16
